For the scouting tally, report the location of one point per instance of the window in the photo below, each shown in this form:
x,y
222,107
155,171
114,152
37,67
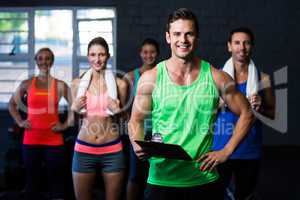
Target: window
x,y
92,23
14,51
25,30
58,36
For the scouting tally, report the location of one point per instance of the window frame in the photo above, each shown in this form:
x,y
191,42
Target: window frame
x,y
76,59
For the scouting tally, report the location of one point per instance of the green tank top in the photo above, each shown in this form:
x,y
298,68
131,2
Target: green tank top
x,y
183,115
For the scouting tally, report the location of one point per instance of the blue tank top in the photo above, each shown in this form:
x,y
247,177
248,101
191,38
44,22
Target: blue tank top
x,y
250,147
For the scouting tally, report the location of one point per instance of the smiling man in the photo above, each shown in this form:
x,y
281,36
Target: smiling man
x,y
182,93
244,162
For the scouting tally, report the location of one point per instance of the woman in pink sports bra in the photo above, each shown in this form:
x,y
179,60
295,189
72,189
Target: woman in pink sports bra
x,y
98,146
43,140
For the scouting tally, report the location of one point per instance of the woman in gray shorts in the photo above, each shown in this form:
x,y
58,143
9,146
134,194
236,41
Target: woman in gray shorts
x,y
98,145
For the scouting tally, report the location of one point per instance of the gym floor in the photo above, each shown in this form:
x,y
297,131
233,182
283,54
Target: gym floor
x,y
279,177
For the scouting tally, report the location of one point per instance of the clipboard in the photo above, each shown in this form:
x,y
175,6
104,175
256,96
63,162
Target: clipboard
x,y
157,149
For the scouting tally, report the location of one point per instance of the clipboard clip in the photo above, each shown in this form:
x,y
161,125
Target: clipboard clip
x,y
156,137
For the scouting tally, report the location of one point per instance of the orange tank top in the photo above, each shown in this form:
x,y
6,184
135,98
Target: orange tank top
x,y
42,114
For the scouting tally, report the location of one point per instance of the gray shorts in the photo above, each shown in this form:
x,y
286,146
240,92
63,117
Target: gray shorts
x,y
90,163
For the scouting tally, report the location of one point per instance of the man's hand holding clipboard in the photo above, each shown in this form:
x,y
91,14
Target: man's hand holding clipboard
x,y
158,149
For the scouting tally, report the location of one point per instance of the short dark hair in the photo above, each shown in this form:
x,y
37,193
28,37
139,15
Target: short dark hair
x,y
185,14
45,49
246,30
99,41
151,41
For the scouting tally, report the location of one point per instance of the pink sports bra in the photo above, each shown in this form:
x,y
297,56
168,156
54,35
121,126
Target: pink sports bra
x,y
97,104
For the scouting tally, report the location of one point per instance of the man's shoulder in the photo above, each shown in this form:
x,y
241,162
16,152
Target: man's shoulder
x,y
147,81
217,73
203,61
221,78
150,74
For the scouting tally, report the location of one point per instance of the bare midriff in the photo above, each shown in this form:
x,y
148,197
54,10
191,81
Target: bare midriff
x,y
98,130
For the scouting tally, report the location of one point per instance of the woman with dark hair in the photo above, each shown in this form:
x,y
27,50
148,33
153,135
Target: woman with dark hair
x,y
43,140
138,169
98,145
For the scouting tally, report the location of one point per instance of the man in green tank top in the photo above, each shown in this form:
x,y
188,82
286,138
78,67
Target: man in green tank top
x,y
182,93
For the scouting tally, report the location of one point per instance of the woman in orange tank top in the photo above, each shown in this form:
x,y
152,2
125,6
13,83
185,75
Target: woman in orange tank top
x,y
43,140
98,146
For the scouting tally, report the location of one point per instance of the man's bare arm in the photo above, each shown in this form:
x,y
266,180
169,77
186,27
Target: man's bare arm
x,y
239,105
141,108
